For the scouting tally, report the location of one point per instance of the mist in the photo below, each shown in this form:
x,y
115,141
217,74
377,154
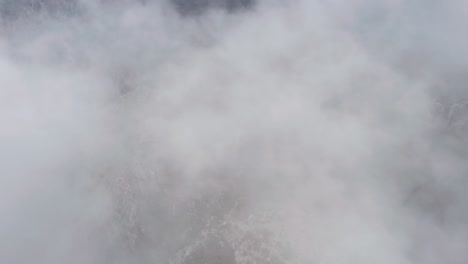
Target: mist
x,y
233,131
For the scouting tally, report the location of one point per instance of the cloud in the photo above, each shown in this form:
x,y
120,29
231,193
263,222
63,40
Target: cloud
x,y
292,132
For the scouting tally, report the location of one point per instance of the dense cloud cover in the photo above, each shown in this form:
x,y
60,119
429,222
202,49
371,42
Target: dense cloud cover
x,y
299,131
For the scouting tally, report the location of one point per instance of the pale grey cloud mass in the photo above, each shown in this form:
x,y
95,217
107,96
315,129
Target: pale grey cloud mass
x,y
233,132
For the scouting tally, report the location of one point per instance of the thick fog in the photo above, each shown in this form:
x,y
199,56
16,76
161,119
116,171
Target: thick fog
x,y
233,131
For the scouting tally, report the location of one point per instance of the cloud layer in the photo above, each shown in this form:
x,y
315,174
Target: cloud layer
x,y
290,132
